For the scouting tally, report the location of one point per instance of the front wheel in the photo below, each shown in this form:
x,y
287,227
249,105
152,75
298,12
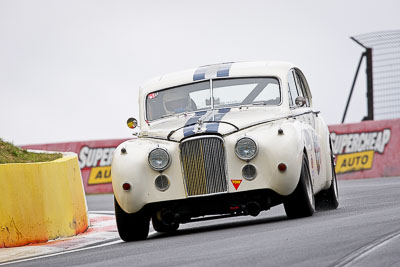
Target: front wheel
x,y
131,226
301,202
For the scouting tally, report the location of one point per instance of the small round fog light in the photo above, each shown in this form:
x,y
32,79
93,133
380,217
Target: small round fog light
x,y
126,186
162,182
249,172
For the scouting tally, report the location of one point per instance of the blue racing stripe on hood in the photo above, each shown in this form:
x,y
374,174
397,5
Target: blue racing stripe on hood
x,y
189,130
211,127
200,113
224,110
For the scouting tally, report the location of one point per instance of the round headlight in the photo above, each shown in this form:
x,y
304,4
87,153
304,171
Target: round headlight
x,y
159,159
246,148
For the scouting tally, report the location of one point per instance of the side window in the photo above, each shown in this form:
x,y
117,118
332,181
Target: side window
x,y
302,88
292,88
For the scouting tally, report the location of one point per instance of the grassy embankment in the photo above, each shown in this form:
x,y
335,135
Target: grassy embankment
x,y
12,154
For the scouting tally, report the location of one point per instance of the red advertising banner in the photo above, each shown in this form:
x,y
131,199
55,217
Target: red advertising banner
x,y
363,150
367,149
94,161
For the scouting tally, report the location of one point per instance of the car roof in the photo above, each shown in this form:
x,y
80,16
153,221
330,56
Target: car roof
x,y
222,70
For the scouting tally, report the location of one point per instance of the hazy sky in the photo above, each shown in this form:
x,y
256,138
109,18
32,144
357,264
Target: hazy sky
x,y
70,70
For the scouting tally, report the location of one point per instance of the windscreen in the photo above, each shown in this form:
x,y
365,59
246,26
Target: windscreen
x,y
226,93
246,91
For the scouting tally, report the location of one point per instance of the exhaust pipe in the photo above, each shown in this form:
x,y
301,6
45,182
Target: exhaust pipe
x,y
253,208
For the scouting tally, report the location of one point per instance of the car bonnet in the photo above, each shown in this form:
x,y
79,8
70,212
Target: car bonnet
x,y
220,121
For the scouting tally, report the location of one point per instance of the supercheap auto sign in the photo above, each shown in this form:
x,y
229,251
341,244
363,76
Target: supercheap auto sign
x,y
94,158
99,161
366,149
356,150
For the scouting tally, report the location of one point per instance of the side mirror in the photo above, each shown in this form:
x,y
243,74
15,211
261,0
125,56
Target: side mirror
x,y
132,123
300,101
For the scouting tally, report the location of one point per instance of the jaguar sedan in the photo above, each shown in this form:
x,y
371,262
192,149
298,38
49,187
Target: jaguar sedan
x,y
229,139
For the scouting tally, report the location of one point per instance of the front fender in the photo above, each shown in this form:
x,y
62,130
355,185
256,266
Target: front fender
x,y
132,167
274,148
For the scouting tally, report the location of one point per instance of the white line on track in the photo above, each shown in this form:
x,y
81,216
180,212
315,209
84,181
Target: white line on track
x,y
107,212
360,253
68,251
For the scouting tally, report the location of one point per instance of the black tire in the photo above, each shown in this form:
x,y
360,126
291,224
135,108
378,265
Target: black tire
x,y
161,227
131,227
329,199
301,202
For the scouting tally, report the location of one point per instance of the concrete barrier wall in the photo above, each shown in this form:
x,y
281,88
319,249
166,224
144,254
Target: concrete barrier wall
x,y
41,201
94,161
367,149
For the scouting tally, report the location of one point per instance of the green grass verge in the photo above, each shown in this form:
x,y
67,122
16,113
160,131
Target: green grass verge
x,y
12,154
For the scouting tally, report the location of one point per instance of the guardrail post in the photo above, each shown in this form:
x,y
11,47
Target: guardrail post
x,y
370,86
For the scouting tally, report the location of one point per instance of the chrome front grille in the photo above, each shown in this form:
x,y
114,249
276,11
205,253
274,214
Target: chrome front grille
x,y
203,161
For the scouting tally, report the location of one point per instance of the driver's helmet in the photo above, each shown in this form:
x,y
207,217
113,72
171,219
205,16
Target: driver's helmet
x,y
177,102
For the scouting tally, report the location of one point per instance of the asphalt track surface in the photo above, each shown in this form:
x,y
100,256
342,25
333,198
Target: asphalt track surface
x,y
363,231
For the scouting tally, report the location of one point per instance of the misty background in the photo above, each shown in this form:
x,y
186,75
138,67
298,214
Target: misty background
x,y
70,70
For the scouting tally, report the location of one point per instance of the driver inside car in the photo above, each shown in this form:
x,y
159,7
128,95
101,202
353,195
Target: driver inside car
x,y
178,102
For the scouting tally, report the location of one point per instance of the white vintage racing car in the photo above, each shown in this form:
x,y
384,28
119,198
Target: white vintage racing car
x,y
223,140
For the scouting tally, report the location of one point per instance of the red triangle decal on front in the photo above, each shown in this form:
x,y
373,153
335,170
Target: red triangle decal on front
x,y
236,183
